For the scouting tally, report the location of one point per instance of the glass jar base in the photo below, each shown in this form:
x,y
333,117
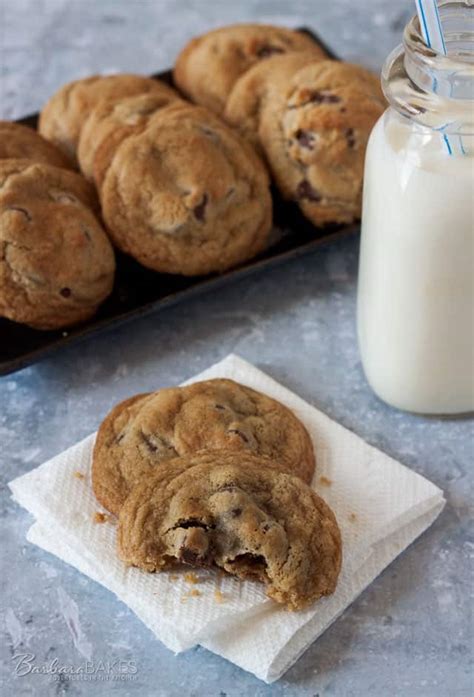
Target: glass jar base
x,y
440,413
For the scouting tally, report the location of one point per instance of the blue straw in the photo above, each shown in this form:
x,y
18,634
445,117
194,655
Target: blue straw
x,y
431,25
432,31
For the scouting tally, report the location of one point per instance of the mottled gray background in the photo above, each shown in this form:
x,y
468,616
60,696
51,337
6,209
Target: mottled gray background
x,y
409,633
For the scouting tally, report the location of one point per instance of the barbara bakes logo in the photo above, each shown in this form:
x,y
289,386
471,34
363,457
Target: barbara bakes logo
x,y
26,664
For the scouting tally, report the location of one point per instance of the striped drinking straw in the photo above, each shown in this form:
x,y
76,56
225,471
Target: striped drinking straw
x,y
432,32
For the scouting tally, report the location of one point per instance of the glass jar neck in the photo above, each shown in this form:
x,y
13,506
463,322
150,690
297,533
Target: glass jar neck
x,y
432,89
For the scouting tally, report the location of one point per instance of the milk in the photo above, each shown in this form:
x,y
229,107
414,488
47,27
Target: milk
x,y
416,273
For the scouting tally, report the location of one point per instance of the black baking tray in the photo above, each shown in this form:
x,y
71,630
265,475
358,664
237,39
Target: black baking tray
x,y
138,291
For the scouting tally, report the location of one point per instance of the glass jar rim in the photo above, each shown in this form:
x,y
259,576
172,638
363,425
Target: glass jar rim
x,y
430,88
413,41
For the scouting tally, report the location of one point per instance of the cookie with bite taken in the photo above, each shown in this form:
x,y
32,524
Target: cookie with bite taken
x,y
239,513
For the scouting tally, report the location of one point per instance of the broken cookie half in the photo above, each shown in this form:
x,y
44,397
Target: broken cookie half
x,y
238,512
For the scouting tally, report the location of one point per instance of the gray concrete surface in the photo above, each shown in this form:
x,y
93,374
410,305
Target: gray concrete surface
x,y
409,634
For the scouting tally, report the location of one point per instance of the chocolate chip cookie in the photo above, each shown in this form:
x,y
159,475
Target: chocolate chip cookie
x,y
315,134
20,142
56,262
236,512
252,90
143,432
187,195
208,66
113,120
63,116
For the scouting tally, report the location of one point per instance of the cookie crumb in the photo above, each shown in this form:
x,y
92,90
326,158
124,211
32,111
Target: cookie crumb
x,y
191,578
194,593
79,475
352,517
325,481
100,517
219,597
173,577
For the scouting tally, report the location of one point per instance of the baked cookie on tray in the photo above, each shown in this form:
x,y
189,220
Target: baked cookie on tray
x,y
208,66
187,195
113,120
314,134
19,142
252,90
64,114
142,433
239,513
56,262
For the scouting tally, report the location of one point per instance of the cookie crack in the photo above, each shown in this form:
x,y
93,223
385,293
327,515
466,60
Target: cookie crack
x,y
192,523
19,209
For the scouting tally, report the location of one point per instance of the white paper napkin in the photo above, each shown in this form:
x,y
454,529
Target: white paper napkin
x,y
381,507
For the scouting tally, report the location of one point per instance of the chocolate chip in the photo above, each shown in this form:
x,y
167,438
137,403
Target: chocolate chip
x,y
249,559
228,487
200,209
305,190
305,138
189,557
350,137
323,97
156,443
221,407
209,133
267,50
236,512
195,547
238,433
65,292
191,523
86,232
152,446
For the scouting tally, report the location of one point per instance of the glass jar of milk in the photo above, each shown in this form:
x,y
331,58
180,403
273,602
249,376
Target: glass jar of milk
x,y
416,270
